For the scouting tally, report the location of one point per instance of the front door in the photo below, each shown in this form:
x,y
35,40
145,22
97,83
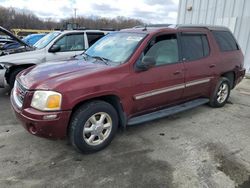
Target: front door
x,y
70,45
162,84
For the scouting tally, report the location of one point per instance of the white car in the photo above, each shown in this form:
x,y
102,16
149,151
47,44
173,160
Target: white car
x,y
55,46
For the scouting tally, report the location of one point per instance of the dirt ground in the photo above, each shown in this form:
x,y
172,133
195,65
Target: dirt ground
x,y
203,147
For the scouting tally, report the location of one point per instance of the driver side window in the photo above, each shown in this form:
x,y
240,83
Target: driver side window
x,y
71,43
163,49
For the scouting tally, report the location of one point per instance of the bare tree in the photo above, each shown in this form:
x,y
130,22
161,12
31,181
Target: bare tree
x,y
10,18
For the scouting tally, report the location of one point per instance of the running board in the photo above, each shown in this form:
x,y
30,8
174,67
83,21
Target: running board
x,y
167,111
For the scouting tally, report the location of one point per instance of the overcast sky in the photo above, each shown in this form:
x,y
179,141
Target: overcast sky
x,y
149,11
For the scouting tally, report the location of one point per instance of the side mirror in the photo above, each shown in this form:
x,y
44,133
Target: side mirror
x,y
54,48
146,63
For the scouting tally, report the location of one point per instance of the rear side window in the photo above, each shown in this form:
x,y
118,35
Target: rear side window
x,y
194,46
93,37
225,40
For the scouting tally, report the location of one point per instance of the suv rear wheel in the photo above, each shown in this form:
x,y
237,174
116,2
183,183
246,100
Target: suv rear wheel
x,y
221,94
93,126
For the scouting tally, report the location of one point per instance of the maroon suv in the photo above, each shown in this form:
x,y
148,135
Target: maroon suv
x,y
126,78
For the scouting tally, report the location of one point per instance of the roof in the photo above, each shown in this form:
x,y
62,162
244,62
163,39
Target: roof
x,y
209,27
81,31
158,27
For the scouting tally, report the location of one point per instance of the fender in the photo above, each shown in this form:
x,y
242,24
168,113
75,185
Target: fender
x,y
111,97
10,67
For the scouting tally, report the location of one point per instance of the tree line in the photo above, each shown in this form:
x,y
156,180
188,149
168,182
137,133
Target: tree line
x,y
10,19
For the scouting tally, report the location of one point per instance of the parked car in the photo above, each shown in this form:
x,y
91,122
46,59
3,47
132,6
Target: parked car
x,y
30,40
10,46
4,42
5,37
126,78
55,46
13,44
33,38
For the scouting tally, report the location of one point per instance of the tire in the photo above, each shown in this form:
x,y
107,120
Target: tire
x,y
221,93
88,132
13,75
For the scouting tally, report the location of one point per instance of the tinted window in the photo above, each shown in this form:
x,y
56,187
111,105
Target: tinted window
x,y
164,50
225,40
93,37
194,46
71,43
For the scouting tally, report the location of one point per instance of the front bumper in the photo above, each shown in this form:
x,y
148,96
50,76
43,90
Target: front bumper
x,y
35,123
3,82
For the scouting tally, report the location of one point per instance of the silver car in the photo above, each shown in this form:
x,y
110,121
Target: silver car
x,y
55,46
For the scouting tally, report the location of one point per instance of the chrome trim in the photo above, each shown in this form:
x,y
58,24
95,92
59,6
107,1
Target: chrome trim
x,y
18,103
2,78
197,82
159,91
171,88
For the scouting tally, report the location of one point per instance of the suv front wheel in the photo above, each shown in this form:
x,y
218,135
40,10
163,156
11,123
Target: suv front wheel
x,y
221,93
93,126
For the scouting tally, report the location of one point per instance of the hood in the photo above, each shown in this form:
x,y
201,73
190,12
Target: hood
x,y
33,56
50,75
5,31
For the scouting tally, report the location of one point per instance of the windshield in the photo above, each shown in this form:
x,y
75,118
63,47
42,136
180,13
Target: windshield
x,y
46,40
116,47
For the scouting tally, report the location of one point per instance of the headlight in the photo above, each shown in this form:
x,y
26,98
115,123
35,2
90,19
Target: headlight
x,y
46,100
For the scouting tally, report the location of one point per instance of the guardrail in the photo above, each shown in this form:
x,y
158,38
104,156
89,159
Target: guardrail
x,y
29,31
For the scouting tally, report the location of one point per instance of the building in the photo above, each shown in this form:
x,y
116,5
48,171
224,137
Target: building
x,y
235,14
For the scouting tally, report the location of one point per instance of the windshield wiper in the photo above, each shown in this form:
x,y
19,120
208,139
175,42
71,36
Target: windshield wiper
x,y
103,59
84,55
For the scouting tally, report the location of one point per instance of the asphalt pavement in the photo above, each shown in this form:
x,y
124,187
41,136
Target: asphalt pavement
x,y
204,147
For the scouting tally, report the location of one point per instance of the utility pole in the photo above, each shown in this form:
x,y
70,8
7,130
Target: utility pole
x,y
75,13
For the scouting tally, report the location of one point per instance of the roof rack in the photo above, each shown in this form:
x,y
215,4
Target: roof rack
x,y
85,28
144,27
152,25
184,26
108,29
209,27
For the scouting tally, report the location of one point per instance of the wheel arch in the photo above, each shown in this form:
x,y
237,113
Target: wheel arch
x,y
230,75
114,100
14,67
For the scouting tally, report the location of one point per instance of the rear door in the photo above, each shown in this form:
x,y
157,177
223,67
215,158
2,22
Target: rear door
x,y
196,55
70,45
162,84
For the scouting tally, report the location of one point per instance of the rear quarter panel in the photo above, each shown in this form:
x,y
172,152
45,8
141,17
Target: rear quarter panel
x,y
225,61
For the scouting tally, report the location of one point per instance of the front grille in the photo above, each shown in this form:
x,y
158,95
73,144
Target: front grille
x,y
19,93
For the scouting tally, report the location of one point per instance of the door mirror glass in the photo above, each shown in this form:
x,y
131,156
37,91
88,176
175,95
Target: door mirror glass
x,y
55,48
146,63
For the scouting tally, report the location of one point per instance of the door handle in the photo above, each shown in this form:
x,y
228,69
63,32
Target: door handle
x,y
177,72
212,66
